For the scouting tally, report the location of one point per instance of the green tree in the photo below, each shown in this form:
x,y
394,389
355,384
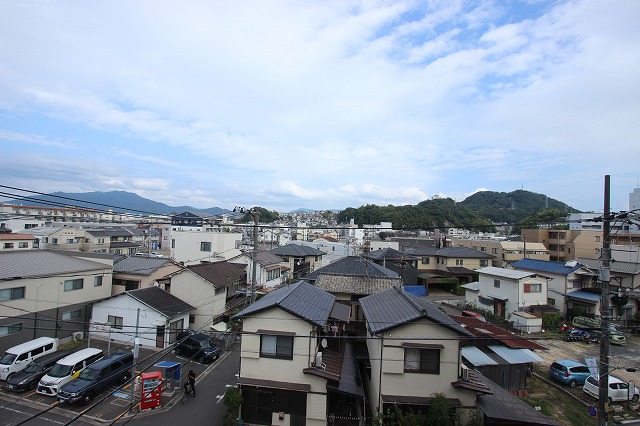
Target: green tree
x,y
233,401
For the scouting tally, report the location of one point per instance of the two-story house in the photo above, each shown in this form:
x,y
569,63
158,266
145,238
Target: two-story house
x,y
211,288
10,242
402,263
270,269
449,262
293,366
300,259
565,278
49,293
134,272
503,291
414,353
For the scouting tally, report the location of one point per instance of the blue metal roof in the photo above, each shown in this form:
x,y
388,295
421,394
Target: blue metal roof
x,y
584,295
546,266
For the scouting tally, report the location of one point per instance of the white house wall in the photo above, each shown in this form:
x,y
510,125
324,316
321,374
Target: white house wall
x,y
185,246
126,307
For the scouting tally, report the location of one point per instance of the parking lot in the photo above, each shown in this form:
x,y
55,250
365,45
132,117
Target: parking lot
x,y
113,402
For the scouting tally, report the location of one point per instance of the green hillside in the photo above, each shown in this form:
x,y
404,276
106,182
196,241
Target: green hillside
x,y
478,211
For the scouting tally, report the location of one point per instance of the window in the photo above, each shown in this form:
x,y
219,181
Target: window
x,y
496,283
5,330
12,293
7,245
97,281
494,250
483,249
23,245
551,302
276,346
69,315
597,238
425,361
484,263
494,263
115,322
533,288
76,284
173,243
69,240
459,262
205,246
54,241
425,260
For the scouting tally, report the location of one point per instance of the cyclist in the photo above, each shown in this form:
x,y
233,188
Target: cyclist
x,y
191,381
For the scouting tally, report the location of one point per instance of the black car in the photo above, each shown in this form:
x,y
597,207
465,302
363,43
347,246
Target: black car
x,y
28,378
197,346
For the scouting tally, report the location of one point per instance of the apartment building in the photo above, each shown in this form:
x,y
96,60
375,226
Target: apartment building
x,y
505,252
567,244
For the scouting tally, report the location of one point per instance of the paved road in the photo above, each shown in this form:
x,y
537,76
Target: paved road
x,y
207,408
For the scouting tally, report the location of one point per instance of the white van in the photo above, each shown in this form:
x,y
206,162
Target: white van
x,y
66,369
17,358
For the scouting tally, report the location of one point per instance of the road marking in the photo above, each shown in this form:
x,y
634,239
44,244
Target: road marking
x,y
29,414
220,398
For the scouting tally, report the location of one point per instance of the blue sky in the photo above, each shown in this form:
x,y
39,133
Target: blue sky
x,y
328,105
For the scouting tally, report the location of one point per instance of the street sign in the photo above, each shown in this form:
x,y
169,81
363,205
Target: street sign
x,y
593,411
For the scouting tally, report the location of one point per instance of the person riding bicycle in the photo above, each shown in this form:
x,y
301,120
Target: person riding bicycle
x,y
191,381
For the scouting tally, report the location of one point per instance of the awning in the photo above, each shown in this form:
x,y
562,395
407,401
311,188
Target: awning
x,y
476,357
502,298
584,296
221,326
515,356
474,286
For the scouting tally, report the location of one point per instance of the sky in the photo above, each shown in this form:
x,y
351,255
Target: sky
x,y
321,105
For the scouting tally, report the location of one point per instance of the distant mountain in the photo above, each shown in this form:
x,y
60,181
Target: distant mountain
x,y
478,211
302,211
118,201
511,207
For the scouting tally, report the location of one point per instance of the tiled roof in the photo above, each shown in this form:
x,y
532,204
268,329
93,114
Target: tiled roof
x,y
17,237
483,330
139,265
356,285
559,268
220,274
297,250
353,265
165,303
456,251
267,258
389,254
632,268
300,299
504,273
394,307
42,263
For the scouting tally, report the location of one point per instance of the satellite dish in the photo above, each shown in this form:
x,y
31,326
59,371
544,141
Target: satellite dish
x,y
324,343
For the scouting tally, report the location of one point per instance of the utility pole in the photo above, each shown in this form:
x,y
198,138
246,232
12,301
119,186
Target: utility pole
x,y
255,215
603,391
135,350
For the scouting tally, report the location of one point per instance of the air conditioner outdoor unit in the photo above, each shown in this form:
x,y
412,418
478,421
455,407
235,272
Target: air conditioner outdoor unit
x,y
77,336
319,360
465,372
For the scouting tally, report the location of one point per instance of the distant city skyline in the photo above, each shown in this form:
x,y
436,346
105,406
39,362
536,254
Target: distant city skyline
x,y
327,105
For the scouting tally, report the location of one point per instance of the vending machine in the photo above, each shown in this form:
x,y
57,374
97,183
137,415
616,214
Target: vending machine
x,y
151,390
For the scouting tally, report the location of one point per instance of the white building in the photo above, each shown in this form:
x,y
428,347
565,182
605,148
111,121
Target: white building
x,y
192,247
158,314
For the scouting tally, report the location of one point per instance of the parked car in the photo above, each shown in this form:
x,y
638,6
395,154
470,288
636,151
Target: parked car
x,y
618,390
569,372
97,377
28,378
197,346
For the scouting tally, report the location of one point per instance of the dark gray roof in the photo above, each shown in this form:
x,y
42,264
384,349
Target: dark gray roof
x,y
266,258
389,254
353,265
300,299
394,307
139,265
297,250
456,251
631,268
111,232
501,407
165,303
42,263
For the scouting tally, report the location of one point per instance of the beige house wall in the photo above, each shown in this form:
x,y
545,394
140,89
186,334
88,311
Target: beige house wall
x,y
201,294
284,370
145,280
394,381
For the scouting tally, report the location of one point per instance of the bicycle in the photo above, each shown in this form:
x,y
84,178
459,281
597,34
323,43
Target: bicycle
x,y
188,390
